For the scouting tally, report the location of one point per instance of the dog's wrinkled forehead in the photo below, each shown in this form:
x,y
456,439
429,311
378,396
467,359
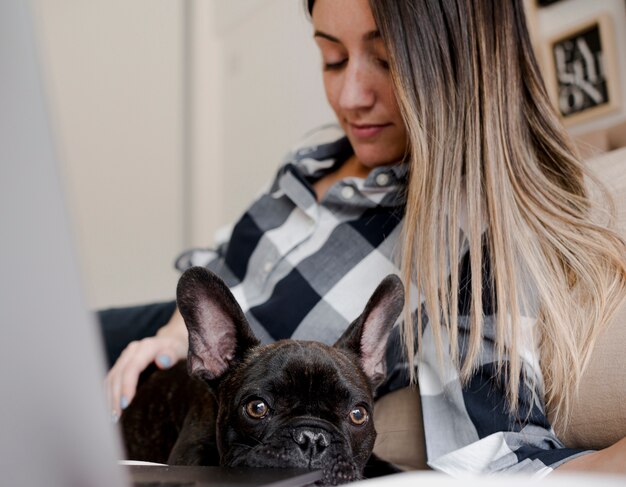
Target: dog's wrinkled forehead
x,y
305,368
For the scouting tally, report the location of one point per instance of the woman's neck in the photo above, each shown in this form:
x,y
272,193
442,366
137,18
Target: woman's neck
x,y
352,168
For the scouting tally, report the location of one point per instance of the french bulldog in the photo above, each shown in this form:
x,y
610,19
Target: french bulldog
x,y
292,403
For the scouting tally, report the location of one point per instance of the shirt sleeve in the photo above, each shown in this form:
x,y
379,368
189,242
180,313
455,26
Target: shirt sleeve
x,y
205,257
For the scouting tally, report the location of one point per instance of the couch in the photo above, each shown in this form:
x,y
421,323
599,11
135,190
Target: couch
x,y
599,413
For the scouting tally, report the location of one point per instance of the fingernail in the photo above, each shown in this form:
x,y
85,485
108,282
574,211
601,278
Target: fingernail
x,y
123,402
164,361
114,417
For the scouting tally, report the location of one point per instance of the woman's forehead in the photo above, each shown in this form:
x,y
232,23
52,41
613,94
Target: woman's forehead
x,y
345,18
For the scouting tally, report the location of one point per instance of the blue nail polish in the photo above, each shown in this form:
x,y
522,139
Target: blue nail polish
x,y
114,417
123,402
164,361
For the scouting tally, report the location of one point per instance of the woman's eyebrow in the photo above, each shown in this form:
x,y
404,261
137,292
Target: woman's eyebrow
x,y
323,35
367,37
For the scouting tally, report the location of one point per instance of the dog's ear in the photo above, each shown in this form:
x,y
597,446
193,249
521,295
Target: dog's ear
x,y
218,330
367,335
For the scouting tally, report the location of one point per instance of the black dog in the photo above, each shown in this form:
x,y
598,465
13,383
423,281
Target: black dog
x,y
288,404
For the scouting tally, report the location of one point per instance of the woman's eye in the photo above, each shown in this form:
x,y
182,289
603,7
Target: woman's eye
x,y
383,64
337,65
257,408
358,416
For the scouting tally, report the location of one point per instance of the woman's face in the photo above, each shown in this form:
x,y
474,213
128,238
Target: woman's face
x,y
357,80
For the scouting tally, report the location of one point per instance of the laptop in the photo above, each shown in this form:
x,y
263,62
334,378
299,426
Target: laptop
x,y
54,425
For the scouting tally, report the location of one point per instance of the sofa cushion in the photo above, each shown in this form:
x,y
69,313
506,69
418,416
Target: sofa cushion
x,y
400,431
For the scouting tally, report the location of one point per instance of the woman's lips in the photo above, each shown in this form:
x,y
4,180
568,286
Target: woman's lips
x,y
366,131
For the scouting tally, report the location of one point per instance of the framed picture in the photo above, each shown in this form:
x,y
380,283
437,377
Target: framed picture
x,y
581,71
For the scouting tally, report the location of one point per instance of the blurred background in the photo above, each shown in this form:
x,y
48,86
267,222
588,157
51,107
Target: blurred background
x,y
171,115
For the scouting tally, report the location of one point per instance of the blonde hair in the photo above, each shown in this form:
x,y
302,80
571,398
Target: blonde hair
x,y
485,141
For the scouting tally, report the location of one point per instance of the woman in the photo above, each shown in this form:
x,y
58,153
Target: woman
x,y
495,236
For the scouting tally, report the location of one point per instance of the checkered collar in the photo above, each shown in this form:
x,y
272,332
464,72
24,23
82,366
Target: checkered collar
x,y
327,148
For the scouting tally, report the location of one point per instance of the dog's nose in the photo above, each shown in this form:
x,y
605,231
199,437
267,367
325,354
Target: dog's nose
x,y
311,441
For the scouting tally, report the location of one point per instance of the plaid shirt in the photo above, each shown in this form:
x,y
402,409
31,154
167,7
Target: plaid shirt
x,y
304,269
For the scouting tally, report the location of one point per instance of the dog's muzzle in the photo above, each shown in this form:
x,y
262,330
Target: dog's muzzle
x,y
312,441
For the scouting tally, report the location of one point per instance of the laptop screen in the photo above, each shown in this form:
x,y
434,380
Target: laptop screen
x,y
55,427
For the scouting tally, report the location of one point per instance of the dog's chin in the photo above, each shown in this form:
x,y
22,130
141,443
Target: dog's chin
x,y
337,468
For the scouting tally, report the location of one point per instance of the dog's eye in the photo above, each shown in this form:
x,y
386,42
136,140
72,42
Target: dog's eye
x,y
257,408
359,416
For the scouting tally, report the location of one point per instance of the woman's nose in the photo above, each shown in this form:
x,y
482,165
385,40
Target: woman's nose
x,y
357,91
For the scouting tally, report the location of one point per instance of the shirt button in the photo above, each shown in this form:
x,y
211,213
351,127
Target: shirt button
x,y
382,179
267,267
347,192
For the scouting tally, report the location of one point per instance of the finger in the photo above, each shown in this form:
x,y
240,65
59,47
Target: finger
x,y
112,385
172,351
108,391
123,378
134,358
135,361
164,359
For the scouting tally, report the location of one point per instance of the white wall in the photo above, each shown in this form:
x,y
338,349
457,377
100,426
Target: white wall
x,y
127,98
259,60
114,81
272,94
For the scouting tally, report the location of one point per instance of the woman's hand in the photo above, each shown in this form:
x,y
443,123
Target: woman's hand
x,y
165,349
608,460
